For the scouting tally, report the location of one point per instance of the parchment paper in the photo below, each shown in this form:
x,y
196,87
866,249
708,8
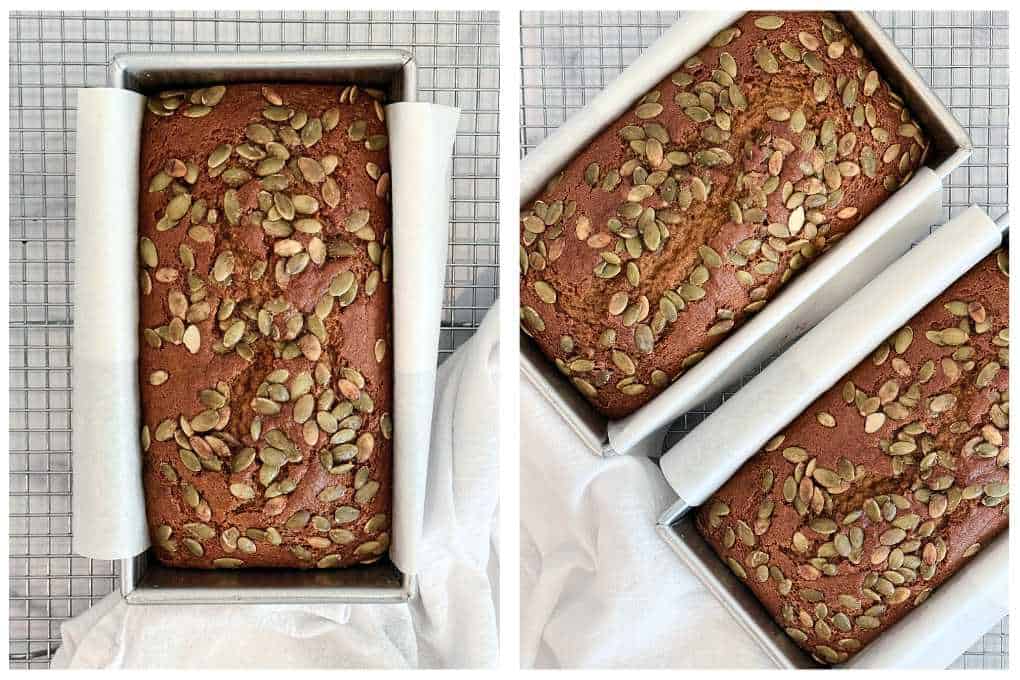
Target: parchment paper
x,y
108,510
421,147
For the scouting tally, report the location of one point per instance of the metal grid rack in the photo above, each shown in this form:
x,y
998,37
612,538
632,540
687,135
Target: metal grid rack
x,y
53,53
568,57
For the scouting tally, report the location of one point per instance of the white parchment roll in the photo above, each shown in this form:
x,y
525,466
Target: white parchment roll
x,y
421,146
108,508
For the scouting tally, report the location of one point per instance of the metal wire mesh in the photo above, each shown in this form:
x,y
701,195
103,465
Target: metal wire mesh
x,y
53,53
569,57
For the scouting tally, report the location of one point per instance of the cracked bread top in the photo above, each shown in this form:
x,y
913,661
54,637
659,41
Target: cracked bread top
x,y
266,381
688,213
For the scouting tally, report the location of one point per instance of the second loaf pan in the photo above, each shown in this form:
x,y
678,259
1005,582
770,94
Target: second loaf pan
x,y
697,466
862,254
143,579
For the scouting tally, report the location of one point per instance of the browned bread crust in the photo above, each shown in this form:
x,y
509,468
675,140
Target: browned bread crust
x,y
687,214
266,383
887,484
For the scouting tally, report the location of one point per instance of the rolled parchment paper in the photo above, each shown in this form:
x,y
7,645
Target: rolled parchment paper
x,y
109,505
958,612
691,32
421,146
703,460
108,510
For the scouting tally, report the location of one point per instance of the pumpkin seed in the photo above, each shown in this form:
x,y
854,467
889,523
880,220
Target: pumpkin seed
x,y
769,22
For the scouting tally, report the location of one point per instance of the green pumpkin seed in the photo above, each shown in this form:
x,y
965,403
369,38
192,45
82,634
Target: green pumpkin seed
x,y
769,22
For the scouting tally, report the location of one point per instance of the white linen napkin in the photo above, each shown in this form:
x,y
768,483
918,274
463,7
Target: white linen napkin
x,y
599,588
452,622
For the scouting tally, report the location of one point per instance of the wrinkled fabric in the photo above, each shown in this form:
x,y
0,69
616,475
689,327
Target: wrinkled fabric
x,y
599,587
452,622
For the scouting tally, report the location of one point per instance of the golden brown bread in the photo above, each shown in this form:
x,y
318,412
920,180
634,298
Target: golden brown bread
x,y
266,384
887,484
687,214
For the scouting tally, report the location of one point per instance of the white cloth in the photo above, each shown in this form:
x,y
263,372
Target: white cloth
x,y
451,624
599,587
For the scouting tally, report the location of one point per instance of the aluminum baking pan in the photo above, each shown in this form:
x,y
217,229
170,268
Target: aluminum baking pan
x,y
392,71
677,527
950,147
144,580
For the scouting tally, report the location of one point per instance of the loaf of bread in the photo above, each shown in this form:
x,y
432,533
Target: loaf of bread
x,y
264,226
688,213
887,484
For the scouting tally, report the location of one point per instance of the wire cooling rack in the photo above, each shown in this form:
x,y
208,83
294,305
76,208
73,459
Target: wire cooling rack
x,y
568,57
51,54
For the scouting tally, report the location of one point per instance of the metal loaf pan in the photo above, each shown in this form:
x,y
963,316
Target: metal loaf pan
x,y
950,147
677,527
143,579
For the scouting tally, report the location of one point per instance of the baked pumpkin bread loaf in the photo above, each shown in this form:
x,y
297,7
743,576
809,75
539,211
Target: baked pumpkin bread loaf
x,y
887,484
688,213
266,383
